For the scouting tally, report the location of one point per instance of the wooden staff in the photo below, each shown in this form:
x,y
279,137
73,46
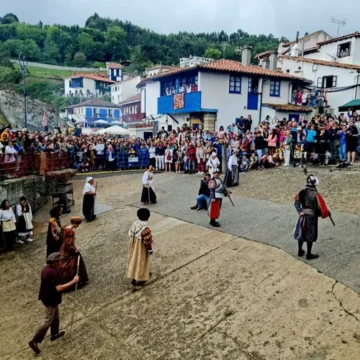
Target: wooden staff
x,y
76,286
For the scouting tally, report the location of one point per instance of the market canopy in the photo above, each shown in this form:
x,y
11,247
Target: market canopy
x,y
353,104
101,122
116,122
115,130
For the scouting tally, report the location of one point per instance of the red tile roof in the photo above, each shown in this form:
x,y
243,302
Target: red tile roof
x,y
96,77
131,99
344,37
112,65
289,107
231,66
237,67
262,54
323,62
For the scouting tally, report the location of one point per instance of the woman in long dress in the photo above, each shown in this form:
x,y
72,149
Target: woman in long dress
x,y
70,253
89,199
8,227
54,236
148,194
24,223
140,249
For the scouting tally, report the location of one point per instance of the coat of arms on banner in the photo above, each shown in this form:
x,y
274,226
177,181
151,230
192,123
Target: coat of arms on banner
x,y
179,101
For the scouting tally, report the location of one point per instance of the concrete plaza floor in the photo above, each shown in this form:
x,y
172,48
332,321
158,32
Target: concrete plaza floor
x,y
213,294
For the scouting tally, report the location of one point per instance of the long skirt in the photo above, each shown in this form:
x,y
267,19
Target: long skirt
x,y
147,195
89,207
7,240
232,177
306,228
214,208
24,228
68,270
138,261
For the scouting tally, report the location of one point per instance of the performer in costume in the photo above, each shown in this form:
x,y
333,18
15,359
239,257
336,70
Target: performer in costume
x,y
8,227
70,254
148,193
54,235
309,208
24,224
89,201
140,249
50,296
217,193
232,174
213,164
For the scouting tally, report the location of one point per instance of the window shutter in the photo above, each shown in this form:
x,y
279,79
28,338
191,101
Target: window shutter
x,y
319,82
334,83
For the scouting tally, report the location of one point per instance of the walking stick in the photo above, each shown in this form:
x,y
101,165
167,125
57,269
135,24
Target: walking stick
x,y
76,286
93,208
312,182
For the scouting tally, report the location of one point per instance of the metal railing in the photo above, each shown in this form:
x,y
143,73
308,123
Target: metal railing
x,y
15,166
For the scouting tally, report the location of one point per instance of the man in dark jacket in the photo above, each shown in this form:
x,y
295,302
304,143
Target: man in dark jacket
x,y
202,201
50,296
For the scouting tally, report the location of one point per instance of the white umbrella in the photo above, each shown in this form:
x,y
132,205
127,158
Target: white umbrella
x,y
116,122
115,130
100,122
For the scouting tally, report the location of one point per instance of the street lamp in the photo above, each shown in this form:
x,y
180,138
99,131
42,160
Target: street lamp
x,y
24,71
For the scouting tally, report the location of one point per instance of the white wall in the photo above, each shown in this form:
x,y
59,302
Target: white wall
x,y
88,84
215,94
124,90
152,93
284,93
345,77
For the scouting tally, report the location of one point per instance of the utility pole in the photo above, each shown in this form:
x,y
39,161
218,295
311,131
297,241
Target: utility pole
x,y
24,71
224,45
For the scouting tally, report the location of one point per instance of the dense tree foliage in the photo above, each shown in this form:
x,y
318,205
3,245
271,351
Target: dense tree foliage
x,y
104,39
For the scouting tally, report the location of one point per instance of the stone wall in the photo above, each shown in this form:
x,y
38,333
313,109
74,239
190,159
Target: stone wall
x,y
37,189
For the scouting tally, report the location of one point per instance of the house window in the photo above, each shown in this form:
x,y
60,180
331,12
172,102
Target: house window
x,y
110,113
344,50
327,82
275,88
95,112
235,85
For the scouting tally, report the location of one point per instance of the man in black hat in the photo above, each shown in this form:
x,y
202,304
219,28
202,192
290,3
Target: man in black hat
x,y
50,295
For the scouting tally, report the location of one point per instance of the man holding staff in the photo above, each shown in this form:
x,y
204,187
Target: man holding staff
x,y
89,200
50,296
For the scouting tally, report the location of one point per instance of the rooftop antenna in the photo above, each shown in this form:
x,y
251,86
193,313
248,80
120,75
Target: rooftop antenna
x,y
339,23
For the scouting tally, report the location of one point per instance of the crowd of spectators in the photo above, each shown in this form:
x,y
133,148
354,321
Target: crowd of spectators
x,y
322,140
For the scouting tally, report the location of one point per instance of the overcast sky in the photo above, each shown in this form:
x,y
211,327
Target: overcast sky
x,y
279,17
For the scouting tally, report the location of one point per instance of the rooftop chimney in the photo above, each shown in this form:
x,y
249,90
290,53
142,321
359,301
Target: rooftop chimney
x,y
273,60
246,55
265,63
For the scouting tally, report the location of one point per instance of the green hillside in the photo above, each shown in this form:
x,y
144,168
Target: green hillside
x,y
104,39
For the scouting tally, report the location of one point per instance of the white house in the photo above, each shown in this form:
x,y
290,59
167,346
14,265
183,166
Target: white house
x,y
123,90
92,110
333,66
87,85
114,71
219,92
193,61
157,69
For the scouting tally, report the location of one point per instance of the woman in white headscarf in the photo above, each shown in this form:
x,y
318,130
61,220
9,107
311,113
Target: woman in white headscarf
x,y
89,201
148,194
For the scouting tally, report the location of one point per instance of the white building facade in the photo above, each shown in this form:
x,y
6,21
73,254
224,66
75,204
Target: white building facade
x,y
87,85
220,92
333,67
121,91
193,61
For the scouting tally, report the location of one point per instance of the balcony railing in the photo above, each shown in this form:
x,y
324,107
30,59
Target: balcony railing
x,y
32,164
